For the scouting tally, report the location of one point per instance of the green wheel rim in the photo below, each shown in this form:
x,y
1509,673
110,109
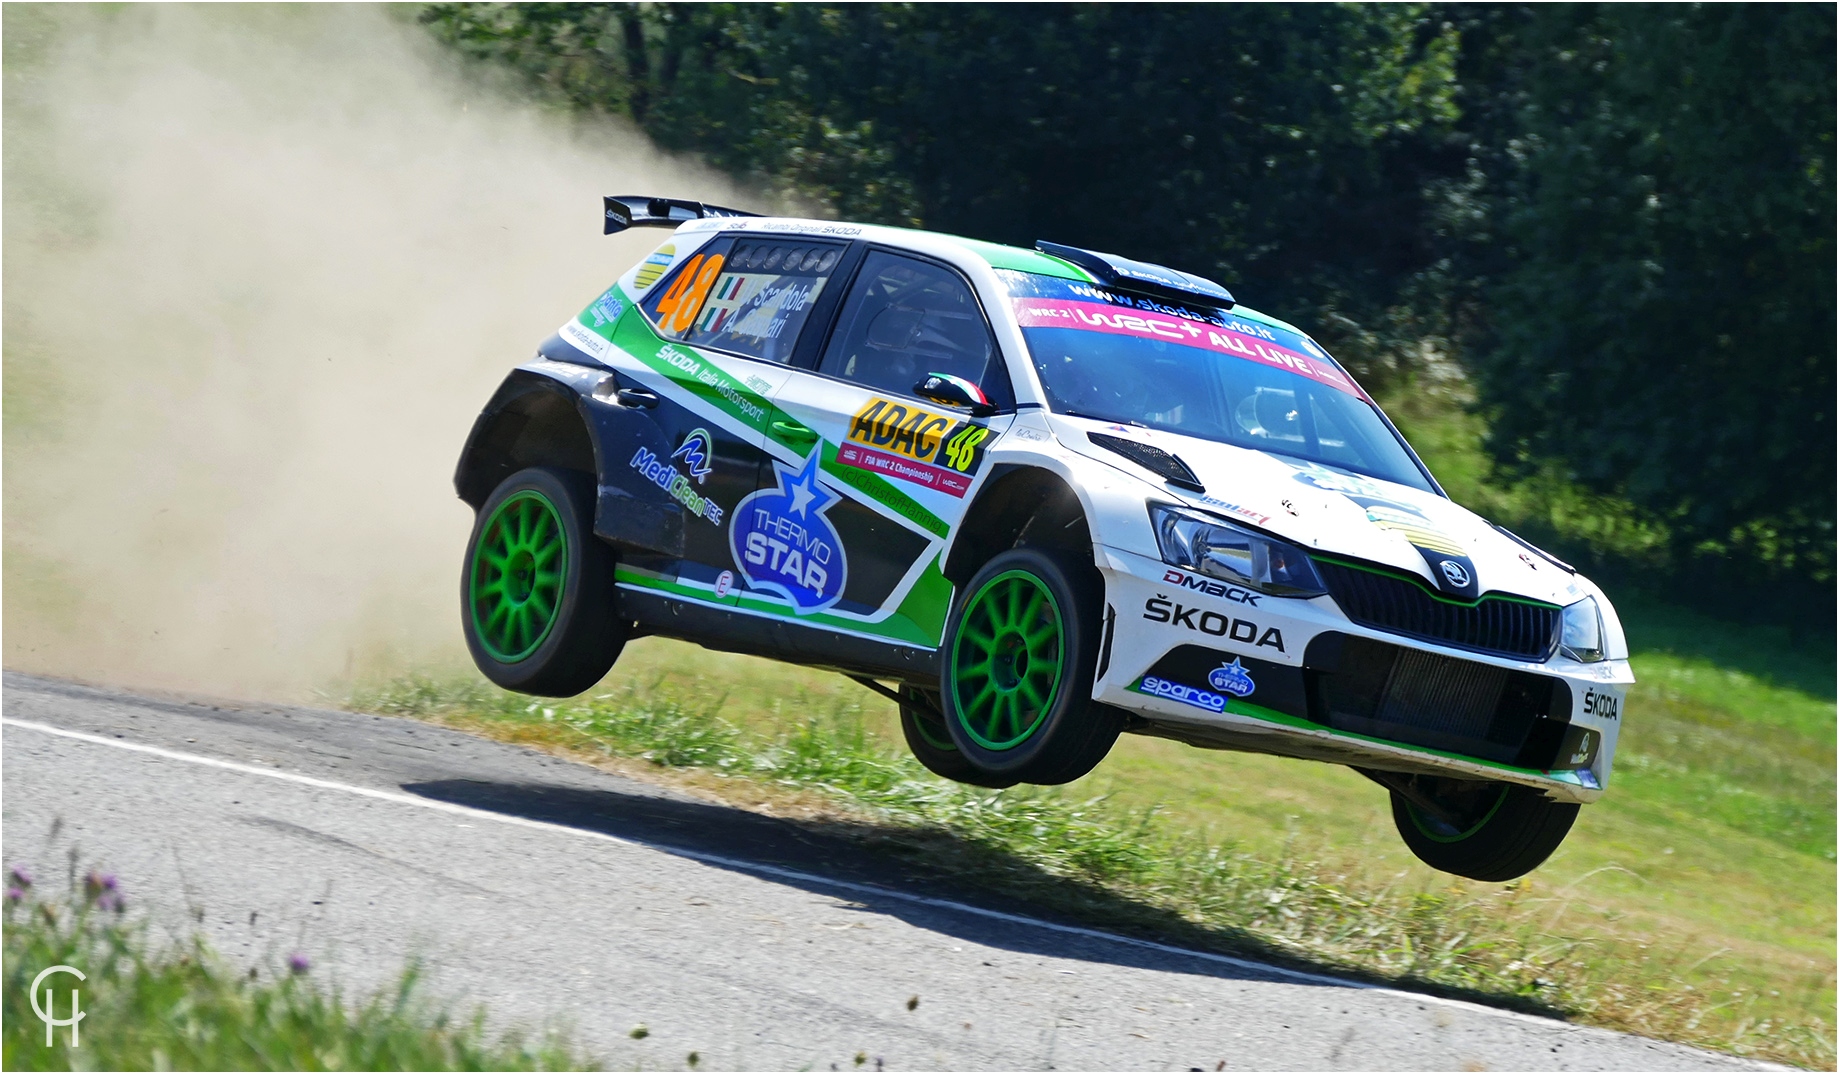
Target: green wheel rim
x,y
515,585
1007,660
1438,832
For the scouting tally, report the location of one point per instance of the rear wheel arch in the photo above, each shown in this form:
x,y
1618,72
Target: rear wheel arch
x,y
531,421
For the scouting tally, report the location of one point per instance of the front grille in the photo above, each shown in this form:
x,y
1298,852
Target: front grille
x,y
1424,699
1496,625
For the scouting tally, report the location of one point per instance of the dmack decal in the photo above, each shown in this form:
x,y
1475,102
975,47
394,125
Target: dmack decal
x,y
1210,587
1187,695
914,444
785,545
1159,609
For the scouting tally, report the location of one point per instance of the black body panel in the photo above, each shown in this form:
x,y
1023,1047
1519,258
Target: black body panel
x,y
793,642
1424,699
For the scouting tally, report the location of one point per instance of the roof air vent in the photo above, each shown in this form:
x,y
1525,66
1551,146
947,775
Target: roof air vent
x,y
1141,277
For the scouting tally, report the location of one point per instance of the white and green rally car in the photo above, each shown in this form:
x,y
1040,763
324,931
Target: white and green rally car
x,y
1038,497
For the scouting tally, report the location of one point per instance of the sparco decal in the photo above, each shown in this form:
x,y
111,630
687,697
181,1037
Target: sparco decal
x,y
785,545
1606,705
1211,588
914,444
1187,695
1159,609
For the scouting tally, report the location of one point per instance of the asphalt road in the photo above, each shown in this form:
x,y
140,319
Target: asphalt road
x,y
560,895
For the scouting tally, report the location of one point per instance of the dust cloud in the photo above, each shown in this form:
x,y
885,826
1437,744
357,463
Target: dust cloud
x,y
262,268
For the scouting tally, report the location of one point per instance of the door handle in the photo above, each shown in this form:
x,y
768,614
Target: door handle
x,y
638,397
793,431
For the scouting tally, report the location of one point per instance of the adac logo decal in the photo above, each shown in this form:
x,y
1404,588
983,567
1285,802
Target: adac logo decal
x,y
785,545
697,453
1159,609
1156,686
1232,679
914,444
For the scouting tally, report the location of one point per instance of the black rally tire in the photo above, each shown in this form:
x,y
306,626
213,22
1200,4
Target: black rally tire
x,y
584,636
1070,734
1507,835
931,745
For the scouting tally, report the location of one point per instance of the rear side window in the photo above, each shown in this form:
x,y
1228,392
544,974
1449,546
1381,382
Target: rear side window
x,y
906,318
744,294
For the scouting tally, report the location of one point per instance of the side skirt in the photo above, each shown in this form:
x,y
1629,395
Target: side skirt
x,y
792,642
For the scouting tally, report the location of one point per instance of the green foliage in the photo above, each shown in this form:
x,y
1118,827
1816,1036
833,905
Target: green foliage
x,y
177,1005
1618,219
1651,240
1692,768
1279,147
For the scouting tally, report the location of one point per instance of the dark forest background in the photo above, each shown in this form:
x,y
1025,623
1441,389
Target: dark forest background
x,y
1599,235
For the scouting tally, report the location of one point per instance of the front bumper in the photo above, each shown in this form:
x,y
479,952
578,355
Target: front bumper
x,y
1220,666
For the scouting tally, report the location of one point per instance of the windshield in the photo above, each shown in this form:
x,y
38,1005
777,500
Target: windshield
x,y
1201,372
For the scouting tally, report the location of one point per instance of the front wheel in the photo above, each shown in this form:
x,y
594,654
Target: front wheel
x,y
1020,652
931,744
1482,830
537,592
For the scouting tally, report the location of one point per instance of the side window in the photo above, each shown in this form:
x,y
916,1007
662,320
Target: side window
x,y
745,294
906,318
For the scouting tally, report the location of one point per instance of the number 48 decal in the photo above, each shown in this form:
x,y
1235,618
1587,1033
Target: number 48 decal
x,y
678,308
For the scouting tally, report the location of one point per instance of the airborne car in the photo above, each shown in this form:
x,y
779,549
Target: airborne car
x,y
1039,498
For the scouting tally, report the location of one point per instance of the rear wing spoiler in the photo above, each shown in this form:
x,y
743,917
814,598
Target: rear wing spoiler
x,y
631,210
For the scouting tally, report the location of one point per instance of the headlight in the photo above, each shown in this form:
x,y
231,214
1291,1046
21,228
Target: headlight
x,y
1222,550
1583,632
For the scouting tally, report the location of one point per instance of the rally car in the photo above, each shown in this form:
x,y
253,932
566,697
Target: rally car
x,y
1038,498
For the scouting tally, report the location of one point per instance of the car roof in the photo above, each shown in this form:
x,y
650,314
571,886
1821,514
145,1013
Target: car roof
x,y
994,254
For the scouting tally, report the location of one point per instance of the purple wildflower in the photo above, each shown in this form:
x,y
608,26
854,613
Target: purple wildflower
x,y
298,963
21,876
15,894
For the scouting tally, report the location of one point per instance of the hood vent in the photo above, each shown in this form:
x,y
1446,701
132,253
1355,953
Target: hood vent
x,y
1169,467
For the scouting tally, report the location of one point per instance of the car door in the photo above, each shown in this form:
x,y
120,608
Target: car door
x,y
848,527
711,350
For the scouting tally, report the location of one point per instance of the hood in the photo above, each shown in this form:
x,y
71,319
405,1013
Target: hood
x,y
1336,512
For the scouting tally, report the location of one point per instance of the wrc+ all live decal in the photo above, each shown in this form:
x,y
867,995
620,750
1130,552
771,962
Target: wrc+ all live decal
x,y
785,545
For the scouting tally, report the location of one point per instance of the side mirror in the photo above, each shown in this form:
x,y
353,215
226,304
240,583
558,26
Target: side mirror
x,y
947,390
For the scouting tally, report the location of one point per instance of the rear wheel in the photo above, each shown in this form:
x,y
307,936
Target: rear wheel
x,y
537,593
1481,830
931,743
1020,653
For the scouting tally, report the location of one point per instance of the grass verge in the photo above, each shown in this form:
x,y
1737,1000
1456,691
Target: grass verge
x,y
1123,861
178,1006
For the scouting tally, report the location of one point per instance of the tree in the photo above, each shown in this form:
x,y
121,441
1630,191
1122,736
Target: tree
x,y
1653,251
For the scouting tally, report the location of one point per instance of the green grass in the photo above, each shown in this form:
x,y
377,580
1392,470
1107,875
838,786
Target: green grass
x,y
178,1006
1658,915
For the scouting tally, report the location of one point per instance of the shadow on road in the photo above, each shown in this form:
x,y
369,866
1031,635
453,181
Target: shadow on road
x,y
926,863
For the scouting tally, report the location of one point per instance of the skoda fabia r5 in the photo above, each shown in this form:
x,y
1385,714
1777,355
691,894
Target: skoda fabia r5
x,y
1039,498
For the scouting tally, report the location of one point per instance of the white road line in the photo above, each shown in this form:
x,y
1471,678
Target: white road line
x,y
758,868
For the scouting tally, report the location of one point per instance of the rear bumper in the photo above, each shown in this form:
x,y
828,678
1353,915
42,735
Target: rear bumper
x,y
1221,667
